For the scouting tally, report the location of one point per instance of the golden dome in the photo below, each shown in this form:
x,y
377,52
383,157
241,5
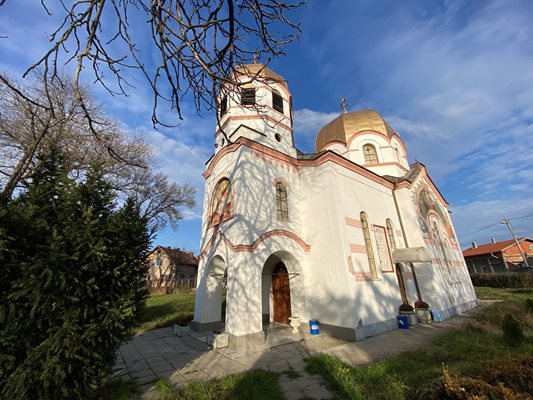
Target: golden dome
x,y
351,123
260,70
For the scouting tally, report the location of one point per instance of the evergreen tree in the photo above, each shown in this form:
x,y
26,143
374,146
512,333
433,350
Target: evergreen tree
x,y
73,275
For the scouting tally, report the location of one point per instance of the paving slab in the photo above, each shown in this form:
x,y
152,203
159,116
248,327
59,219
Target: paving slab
x,y
396,341
160,353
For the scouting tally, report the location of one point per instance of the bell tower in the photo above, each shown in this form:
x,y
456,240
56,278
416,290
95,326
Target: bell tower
x,y
258,106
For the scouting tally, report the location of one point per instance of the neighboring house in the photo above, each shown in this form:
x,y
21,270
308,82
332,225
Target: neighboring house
x,y
172,269
343,235
498,256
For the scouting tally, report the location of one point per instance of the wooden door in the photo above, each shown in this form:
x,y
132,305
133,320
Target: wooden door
x,y
281,294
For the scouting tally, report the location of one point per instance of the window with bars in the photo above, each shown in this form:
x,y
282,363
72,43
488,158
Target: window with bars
x,y
248,96
277,101
390,233
368,245
371,156
282,204
223,105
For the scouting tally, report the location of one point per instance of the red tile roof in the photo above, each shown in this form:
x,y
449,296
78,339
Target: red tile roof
x,y
178,256
491,247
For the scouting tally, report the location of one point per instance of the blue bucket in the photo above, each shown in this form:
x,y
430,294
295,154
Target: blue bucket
x,y
313,327
403,321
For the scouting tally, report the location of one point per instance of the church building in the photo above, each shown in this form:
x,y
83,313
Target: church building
x,y
344,235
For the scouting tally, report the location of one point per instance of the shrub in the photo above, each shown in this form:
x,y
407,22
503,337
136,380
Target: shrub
x,y
503,280
512,332
515,372
72,281
466,388
421,305
529,305
406,307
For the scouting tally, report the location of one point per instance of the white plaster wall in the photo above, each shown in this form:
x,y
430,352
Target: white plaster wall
x,y
440,288
397,144
253,176
338,148
334,296
246,296
255,210
385,152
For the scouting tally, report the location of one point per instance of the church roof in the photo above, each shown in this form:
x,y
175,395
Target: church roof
x,y
414,169
351,123
262,71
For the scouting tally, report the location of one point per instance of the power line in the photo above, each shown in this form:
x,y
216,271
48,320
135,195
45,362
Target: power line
x,y
479,230
525,216
496,223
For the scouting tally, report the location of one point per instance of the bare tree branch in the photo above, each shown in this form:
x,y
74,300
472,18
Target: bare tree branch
x,y
28,129
199,43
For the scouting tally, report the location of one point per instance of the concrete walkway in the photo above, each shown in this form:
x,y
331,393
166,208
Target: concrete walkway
x,y
161,354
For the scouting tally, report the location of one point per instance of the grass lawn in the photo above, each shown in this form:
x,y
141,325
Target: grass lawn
x,y
410,374
256,384
405,376
489,293
166,310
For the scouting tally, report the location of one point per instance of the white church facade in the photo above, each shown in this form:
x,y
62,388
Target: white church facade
x,y
344,235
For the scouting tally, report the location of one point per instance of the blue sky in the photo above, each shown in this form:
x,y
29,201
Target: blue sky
x,y
454,78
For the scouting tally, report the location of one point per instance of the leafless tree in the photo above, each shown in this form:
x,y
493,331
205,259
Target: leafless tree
x,y
36,115
156,197
199,43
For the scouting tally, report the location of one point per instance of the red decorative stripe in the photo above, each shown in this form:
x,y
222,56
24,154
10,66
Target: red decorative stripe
x,y
353,222
357,248
248,248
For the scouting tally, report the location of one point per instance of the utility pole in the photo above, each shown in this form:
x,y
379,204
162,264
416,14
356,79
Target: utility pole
x,y
506,221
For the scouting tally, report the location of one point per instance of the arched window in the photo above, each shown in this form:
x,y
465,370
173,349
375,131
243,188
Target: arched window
x,y
390,234
221,202
368,245
369,151
277,101
282,205
442,250
398,156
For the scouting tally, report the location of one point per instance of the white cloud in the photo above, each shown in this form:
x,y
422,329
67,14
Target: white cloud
x,y
182,163
308,122
469,92
474,216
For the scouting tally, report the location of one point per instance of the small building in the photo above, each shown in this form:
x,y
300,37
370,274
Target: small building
x,y
172,269
496,256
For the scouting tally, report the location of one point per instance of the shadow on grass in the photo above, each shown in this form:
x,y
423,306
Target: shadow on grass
x,y
166,310
255,384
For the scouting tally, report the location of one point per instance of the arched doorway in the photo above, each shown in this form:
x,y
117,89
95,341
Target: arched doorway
x,y
281,294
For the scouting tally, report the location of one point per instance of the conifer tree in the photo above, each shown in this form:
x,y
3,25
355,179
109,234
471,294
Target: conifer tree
x,y
73,275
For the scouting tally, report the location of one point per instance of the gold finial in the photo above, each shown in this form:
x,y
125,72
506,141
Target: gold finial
x,y
344,104
256,56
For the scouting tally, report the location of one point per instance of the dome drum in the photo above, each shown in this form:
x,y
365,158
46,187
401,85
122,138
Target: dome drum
x,y
347,125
